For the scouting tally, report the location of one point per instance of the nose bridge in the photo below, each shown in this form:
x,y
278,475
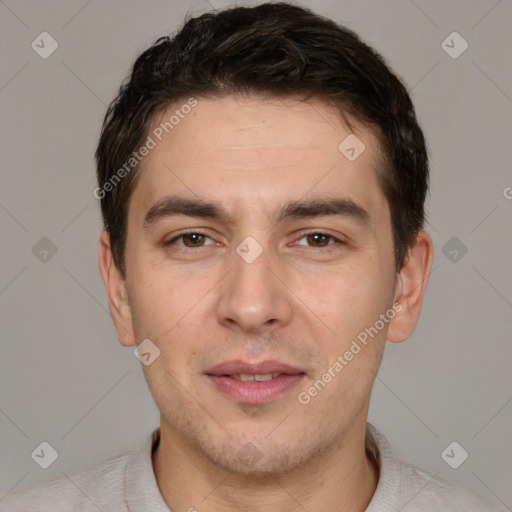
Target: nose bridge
x,y
252,298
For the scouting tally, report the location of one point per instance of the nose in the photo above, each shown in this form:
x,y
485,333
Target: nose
x,y
253,297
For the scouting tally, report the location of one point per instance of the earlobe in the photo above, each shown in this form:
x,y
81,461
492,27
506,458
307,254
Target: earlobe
x,y
115,285
411,286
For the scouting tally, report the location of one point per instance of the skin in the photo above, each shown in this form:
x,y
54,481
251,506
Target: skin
x,y
302,301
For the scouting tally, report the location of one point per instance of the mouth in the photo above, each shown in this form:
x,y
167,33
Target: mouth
x,y
261,377
254,383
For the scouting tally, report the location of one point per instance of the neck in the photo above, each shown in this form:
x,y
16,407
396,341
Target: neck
x,y
344,478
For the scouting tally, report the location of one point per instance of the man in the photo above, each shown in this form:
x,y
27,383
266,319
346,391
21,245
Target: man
x,y
262,179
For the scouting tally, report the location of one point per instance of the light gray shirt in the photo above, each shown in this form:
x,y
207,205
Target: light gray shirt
x,y
127,483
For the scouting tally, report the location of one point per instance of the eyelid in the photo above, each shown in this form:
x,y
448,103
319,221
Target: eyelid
x,y
336,238
189,231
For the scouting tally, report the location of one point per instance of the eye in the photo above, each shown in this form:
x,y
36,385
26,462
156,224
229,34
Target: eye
x,y
318,239
191,239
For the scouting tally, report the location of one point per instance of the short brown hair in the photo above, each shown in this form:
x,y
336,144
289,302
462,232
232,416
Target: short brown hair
x,y
274,49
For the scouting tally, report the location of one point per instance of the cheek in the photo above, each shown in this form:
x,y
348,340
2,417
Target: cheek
x,y
158,301
349,299
169,307
352,308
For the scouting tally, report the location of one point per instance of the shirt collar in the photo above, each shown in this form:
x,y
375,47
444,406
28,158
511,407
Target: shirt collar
x,y
140,486
142,493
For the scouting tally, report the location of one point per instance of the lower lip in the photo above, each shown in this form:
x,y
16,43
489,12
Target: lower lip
x,y
255,392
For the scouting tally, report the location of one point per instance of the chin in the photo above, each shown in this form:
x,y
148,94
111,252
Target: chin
x,y
257,461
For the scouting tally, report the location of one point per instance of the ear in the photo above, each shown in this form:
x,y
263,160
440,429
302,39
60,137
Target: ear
x,y
118,303
410,288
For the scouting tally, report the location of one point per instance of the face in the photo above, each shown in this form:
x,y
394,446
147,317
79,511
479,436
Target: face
x,y
256,247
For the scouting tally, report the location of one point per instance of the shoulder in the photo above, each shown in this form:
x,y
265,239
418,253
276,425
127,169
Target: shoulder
x,y
429,491
403,486
90,488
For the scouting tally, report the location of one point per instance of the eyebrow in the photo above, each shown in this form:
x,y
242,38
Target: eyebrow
x,y
324,206
317,207
174,205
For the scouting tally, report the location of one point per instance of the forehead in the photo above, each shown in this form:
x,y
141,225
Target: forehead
x,y
254,152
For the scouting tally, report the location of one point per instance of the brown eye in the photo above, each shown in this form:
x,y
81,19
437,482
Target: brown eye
x,y
193,239
318,239
190,240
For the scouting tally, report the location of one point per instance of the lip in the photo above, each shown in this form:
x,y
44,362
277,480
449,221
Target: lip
x,y
238,366
254,392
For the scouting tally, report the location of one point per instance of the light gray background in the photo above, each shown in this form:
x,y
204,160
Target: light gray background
x,y
65,379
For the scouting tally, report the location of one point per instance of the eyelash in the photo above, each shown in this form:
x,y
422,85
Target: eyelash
x,y
336,241
184,233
